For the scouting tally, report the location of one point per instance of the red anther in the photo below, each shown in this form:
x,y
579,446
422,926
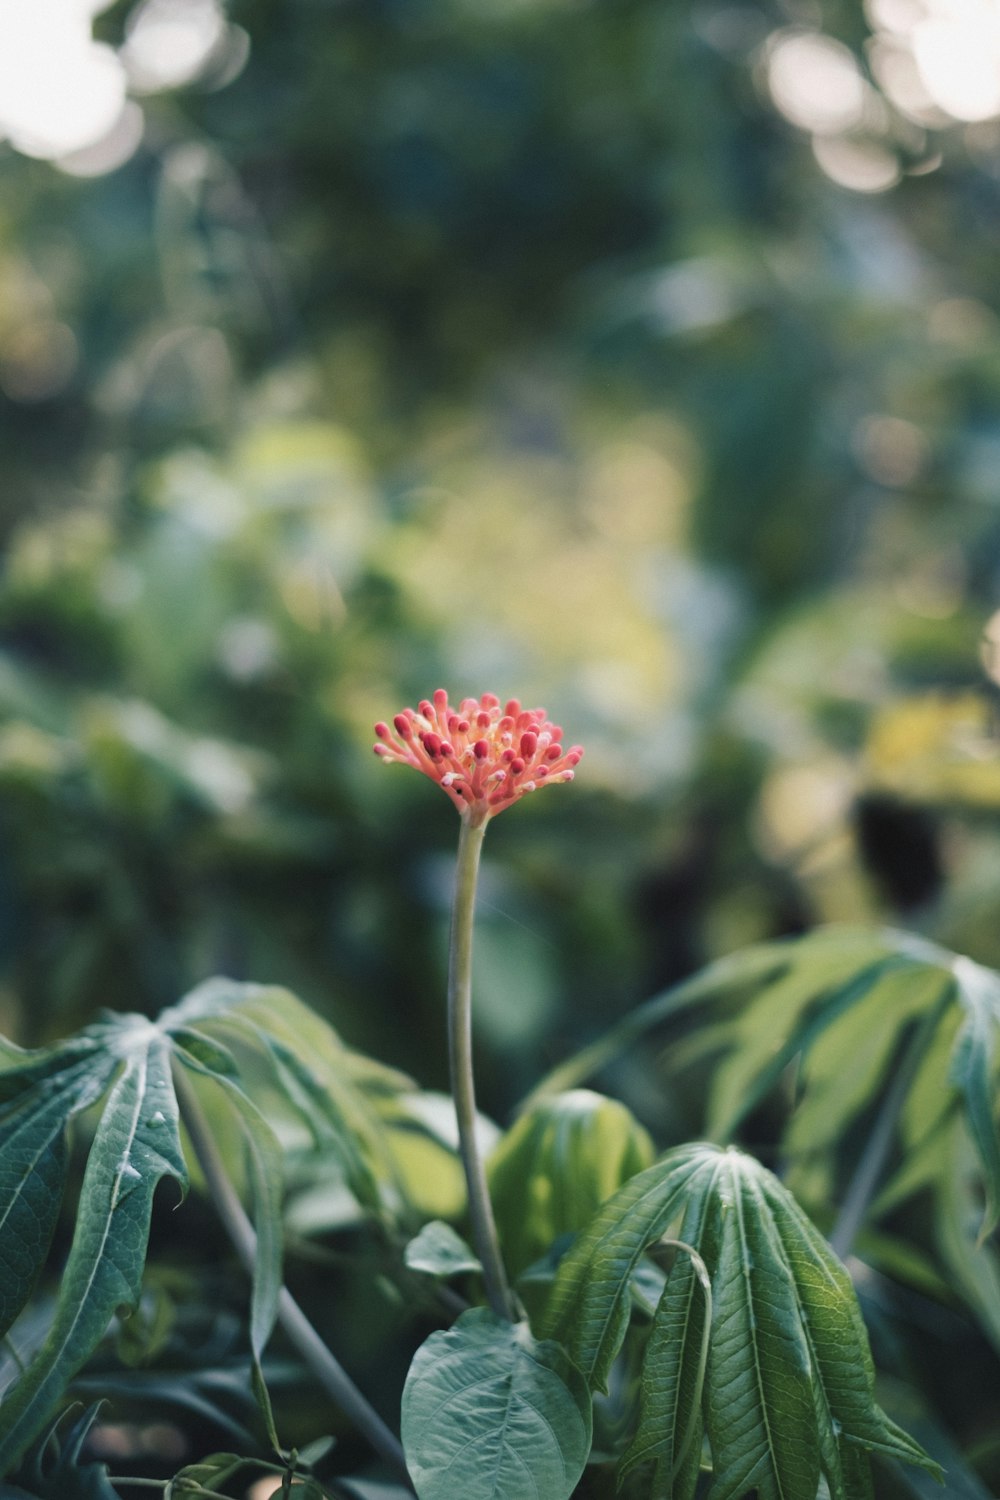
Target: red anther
x,y
507,757
575,755
403,726
447,748
490,700
483,720
463,726
441,700
431,743
553,752
516,766
427,709
541,772
529,744
556,731
481,749
506,724
382,730
513,708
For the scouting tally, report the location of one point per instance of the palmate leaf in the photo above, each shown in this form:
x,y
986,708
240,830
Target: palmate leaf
x,y
33,1163
788,1390
136,1143
327,1085
491,1413
844,1004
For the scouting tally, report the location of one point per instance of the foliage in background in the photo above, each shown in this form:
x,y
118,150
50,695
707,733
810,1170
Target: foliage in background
x,y
499,346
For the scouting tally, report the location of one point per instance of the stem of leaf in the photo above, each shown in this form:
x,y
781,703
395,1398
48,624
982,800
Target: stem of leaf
x,y
484,1232
871,1164
300,1332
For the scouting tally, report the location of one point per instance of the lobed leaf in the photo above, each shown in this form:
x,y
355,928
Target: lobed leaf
x,y
325,1083
788,1390
588,1310
136,1143
33,1165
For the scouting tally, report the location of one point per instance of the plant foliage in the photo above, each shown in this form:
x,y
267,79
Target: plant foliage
x,y
788,1388
491,1413
128,1062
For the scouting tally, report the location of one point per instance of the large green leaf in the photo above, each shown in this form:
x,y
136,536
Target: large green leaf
x,y
327,1085
671,1422
136,1143
551,1172
788,1390
491,1413
876,1024
589,1308
33,1162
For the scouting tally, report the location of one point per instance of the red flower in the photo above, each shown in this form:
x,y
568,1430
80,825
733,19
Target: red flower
x,y
483,756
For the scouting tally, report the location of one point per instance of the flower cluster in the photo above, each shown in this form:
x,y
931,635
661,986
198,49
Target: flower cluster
x,y
484,756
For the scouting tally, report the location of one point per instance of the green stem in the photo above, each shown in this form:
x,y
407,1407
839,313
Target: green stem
x,y
484,1231
300,1332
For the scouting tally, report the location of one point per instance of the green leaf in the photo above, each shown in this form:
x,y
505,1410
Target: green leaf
x,y
782,1022
973,1073
491,1413
859,1012
33,1163
788,1391
266,1183
55,1471
759,1410
844,1069
136,1144
325,1083
438,1251
210,1474
589,1308
551,1172
673,1375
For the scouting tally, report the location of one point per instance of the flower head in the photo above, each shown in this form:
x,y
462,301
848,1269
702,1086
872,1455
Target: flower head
x,y
484,756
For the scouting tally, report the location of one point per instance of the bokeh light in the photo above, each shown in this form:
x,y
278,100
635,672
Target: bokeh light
x,y
60,91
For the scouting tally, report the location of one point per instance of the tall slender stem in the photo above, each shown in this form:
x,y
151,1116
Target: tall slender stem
x,y
484,1230
320,1360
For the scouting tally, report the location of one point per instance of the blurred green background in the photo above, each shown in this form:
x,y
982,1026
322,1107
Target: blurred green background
x,y
639,359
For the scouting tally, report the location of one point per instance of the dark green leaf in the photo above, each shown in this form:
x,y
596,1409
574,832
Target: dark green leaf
x,y
135,1144
671,1424
491,1413
589,1308
316,1074
33,1171
788,1393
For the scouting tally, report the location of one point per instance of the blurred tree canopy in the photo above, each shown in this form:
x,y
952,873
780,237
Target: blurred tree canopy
x,y
552,349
